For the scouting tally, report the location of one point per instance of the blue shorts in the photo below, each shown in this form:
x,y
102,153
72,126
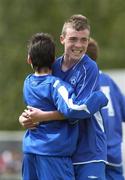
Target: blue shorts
x,y
37,167
114,173
90,171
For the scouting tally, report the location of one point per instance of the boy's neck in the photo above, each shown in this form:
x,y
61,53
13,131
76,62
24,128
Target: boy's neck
x,y
43,71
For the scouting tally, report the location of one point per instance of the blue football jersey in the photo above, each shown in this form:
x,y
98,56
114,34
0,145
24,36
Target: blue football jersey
x,y
55,138
113,115
83,77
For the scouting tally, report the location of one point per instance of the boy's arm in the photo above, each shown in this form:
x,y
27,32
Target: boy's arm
x,y
65,101
38,115
31,116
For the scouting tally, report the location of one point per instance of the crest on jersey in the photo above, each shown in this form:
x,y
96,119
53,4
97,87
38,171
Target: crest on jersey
x,y
73,80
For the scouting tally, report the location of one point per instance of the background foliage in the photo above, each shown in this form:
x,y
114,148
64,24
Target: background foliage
x,y
20,19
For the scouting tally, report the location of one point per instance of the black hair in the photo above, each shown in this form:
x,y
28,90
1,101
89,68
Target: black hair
x,y
41,49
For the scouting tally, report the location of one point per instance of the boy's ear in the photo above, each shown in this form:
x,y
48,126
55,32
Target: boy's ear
x,y
62,39
29,61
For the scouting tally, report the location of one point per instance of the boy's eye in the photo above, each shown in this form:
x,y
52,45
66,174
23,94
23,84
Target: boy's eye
x,y
73,39
84,39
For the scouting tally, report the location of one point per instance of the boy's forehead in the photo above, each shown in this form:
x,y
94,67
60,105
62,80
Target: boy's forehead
x,y
71,32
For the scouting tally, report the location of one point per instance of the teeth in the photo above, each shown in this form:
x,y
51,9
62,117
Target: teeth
x,y
76,51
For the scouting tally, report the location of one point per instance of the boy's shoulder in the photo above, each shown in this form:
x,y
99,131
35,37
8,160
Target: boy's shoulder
x,y
45,79
57,82
89,61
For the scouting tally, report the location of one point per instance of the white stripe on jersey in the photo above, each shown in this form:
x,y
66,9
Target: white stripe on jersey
x,y
99,120
64,93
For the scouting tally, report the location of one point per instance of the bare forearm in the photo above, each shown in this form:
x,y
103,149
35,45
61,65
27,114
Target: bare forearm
x,y
38,115
54,115
50,115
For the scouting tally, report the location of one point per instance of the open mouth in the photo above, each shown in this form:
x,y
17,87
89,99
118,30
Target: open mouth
x,y
77,52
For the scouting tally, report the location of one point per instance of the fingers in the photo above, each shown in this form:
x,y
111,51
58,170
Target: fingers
x,y
26,112
27,118
30,108
26,122
29,125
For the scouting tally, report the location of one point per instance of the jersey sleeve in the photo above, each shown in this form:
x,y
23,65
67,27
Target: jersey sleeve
x,y
65,100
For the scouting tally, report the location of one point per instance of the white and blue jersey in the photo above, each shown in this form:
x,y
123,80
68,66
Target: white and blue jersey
x,y
54,138
114,115
83,76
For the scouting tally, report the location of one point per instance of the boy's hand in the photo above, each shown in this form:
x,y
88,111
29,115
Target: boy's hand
x,y
36,115
26,121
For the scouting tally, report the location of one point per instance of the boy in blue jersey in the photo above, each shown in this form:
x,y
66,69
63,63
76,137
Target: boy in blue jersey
x,y
113,115
76,68
46,148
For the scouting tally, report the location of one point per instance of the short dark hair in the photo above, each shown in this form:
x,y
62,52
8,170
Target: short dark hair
x,y
77,22
93,49
41,49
